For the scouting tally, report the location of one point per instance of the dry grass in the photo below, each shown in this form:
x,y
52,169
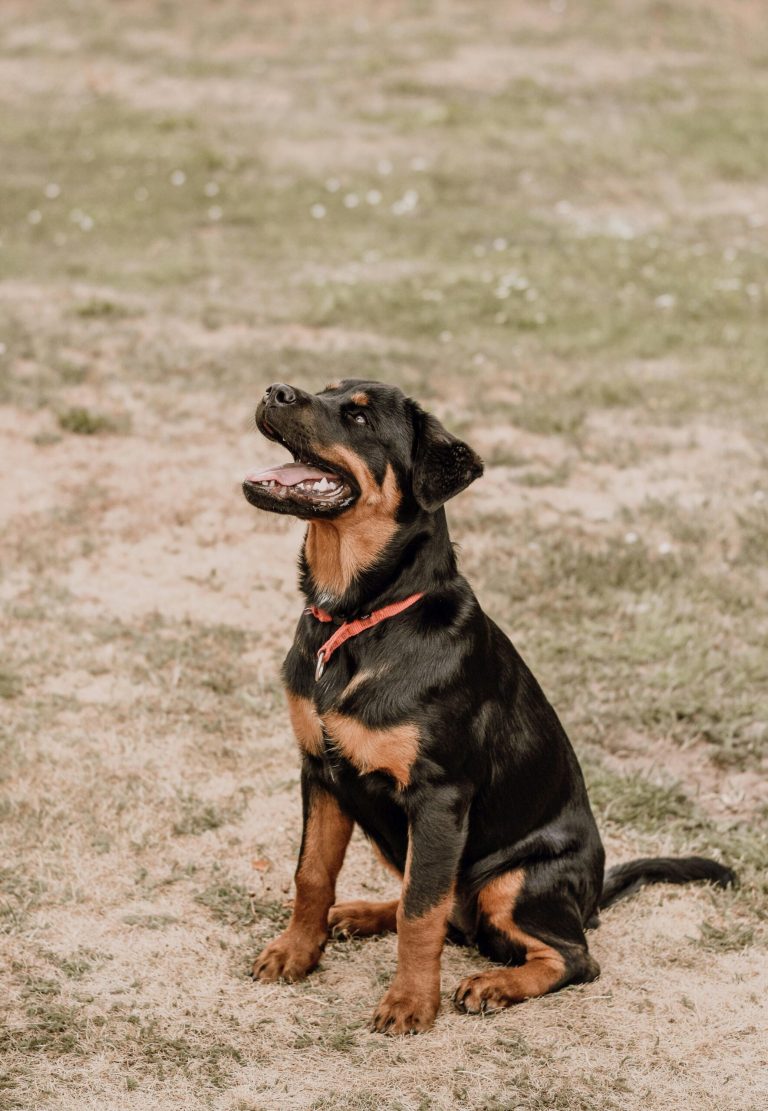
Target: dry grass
x,y
559,242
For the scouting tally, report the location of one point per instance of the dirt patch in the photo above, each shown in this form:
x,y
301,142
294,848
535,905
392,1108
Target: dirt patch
x,y
558,66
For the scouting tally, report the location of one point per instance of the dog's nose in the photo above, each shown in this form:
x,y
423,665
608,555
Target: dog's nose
x,y
280,394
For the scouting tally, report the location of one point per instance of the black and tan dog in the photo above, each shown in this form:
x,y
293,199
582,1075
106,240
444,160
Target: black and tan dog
x,y
418,721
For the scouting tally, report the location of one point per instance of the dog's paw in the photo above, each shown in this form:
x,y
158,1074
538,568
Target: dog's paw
x,y
361,919
401,1013
289,957
483,993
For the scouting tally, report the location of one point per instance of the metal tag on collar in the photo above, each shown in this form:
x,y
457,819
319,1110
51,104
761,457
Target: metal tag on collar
x,y
320,666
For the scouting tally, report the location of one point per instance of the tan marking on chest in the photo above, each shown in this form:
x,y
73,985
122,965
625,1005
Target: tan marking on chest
x,y
306,724
364,676
390,750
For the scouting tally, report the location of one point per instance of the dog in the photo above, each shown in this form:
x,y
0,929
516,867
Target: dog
x,y
418,721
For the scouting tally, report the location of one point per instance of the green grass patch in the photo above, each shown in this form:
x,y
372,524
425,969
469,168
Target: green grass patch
x,y
84,422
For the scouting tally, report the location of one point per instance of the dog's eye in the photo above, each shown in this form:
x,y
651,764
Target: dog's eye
x,y
359,418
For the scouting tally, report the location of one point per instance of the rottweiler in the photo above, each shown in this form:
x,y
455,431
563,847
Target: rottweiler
x,y
418,721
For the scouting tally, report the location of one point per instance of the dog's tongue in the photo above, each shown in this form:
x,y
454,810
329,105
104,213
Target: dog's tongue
x,y
289,475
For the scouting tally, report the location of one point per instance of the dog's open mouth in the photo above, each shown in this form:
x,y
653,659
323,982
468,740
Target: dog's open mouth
x,y
298,480
307,487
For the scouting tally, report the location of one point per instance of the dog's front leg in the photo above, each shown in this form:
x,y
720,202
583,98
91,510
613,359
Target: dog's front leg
x,y
324,841
436,835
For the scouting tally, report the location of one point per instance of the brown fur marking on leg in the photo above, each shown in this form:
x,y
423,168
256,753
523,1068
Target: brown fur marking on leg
x,y
411,1002
363,919
544,966
297,951
306,724
340,549
390,750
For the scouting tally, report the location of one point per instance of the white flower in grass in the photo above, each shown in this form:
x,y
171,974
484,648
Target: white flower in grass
x,y
82,219
215,212
665,301
384,167
418,165
211,189
665,547
445,337
406,204
373,197
318,211
631,538
3,348
333,185
35,216
52,190
178,177
500,244
351,200
513,280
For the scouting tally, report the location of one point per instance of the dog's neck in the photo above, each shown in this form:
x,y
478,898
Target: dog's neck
x,y
336,575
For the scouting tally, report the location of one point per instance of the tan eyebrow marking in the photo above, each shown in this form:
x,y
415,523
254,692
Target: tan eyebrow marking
x,y
359,398
332,386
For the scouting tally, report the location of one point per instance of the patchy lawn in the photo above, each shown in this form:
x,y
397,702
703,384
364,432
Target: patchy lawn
x,y
549,223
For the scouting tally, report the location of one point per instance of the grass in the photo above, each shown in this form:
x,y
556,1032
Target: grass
x,y
83,422
547,223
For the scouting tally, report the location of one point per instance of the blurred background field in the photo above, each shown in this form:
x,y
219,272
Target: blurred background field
x,y
549,223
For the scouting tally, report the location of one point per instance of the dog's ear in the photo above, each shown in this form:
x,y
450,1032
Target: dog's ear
x,y
443,465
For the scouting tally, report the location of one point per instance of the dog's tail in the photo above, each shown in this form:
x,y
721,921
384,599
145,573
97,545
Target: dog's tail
x,y
624,879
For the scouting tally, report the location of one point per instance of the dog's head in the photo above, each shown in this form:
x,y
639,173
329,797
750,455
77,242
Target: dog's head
x,y
358,447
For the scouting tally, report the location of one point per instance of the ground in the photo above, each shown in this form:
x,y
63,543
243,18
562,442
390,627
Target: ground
x,y
548,222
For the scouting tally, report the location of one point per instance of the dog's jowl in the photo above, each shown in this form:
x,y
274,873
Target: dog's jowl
x,y
418,720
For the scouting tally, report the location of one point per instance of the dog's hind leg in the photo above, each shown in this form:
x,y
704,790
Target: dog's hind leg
x,y
362,919
540,939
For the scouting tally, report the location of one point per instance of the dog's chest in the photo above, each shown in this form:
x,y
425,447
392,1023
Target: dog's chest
x,y
324,731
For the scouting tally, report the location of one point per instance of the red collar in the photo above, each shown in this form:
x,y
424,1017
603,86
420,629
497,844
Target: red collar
x,y
351,628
